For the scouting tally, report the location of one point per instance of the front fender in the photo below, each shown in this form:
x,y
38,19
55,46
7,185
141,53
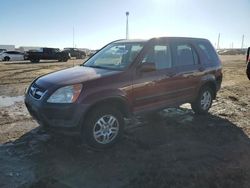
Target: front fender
x,y
107,95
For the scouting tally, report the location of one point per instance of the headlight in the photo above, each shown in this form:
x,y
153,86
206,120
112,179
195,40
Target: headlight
x,y
67,94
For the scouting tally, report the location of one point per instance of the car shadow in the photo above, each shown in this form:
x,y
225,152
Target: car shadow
x,y
173,148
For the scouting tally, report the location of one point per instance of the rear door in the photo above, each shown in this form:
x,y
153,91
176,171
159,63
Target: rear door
x,y
188,71
19,56
12,55
46,53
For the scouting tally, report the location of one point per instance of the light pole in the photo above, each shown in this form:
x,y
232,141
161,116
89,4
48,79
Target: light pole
x,y
218,42
242,42
127,14
73,37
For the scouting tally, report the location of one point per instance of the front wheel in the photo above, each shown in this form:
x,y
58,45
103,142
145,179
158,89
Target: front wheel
x,y
83,56
103,127
204,101
34,60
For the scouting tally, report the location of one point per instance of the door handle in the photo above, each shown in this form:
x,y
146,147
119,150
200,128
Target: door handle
x,y
170,74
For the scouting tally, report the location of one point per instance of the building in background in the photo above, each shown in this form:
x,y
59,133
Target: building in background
x,y
86,50
7,47
27,48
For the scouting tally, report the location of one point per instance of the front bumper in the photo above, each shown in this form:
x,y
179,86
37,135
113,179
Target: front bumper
x,y
59,117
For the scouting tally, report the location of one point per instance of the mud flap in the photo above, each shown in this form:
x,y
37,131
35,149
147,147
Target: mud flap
x,y
248,63
248,70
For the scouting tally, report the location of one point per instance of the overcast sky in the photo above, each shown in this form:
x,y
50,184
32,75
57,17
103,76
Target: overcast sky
x,y
96,22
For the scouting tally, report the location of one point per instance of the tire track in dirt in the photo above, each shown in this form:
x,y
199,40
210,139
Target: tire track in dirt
x,y
18,81
20,72
10,121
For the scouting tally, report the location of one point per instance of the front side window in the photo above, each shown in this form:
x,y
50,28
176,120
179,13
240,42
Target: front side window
x,y
10,52
159,55
115,56
55,50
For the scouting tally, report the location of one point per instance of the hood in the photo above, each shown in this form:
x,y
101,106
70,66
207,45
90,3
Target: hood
x,y
73,75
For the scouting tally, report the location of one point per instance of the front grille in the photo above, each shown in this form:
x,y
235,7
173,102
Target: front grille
x,y
36,91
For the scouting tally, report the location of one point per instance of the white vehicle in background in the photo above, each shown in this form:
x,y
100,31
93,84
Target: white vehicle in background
x,y
11,56
2,50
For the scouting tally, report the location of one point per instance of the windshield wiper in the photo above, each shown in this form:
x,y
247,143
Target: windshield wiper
x,y
99,67
93,66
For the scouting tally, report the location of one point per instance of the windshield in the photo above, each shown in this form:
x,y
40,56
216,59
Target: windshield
x,y
115,56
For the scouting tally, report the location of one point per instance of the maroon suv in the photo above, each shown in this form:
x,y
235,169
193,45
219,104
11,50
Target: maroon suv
x,y
126,77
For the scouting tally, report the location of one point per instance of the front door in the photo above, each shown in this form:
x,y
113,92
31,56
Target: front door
x,y
153,89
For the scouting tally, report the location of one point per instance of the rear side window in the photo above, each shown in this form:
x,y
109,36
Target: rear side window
x,y
185,55
208,50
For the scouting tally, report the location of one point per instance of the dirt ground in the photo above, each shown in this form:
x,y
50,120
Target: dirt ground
x,y
173,148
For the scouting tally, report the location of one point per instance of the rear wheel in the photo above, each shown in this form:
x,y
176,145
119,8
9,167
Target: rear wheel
x,y
78,56
6,58
103,127
65,59
204,101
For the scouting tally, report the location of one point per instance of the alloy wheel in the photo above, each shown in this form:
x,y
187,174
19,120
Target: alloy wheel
x,y
206,100
106,129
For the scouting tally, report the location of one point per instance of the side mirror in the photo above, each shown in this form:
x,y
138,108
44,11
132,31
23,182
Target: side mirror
x,y
147,67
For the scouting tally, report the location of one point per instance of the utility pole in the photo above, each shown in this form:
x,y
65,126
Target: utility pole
x,y
127,14
218,42
73,37
242,42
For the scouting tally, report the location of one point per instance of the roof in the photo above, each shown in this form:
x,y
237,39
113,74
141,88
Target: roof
x,y
160,38
131,40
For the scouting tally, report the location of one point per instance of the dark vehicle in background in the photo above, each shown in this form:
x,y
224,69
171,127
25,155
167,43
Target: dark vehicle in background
x,y
92,52
74,52
125,78
11,56
47,54
248,63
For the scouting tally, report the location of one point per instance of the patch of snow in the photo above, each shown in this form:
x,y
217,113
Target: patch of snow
x,y
9,101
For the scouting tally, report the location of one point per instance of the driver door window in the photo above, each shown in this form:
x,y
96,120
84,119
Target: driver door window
x,y
159,55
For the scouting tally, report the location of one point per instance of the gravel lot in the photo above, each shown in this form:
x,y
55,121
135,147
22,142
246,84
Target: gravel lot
x,y
172,148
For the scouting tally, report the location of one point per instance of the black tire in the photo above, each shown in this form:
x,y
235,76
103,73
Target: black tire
x,y
83,56
204,101
6,58
35,60
65,59
95,135
78,56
